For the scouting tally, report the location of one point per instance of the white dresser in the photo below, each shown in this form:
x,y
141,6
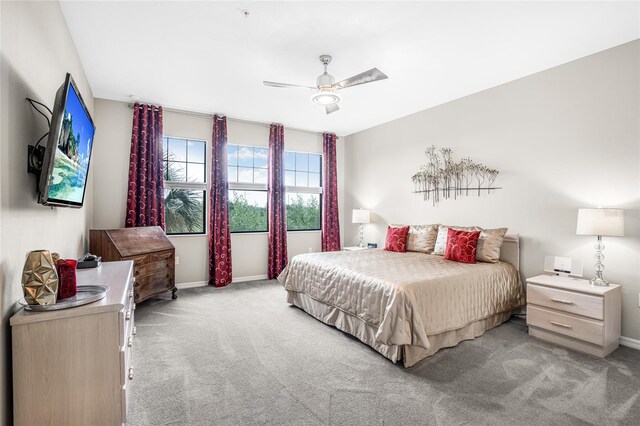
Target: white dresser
x,y
73,366
571,313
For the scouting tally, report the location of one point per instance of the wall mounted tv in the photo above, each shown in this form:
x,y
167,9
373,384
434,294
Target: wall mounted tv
x,y
65,166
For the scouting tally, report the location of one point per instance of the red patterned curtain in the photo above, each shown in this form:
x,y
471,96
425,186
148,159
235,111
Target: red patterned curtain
x,y
145,197
276,203
330,219
219,231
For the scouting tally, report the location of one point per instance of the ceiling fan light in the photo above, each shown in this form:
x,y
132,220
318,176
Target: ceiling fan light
x,y
326,97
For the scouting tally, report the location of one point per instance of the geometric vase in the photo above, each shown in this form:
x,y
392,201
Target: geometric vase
x,y
39,278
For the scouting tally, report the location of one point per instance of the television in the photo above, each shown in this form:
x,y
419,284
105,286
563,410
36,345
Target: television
x,y
65,166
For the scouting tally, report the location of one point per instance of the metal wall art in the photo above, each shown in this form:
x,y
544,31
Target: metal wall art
x,y
446,178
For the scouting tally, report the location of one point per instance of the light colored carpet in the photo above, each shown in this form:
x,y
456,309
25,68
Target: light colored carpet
x,y
241,355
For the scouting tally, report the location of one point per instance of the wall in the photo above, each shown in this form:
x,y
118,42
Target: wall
x,y
564,138
111,159
36,52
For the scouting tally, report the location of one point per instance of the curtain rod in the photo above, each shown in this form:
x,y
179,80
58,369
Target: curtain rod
x,y
237,120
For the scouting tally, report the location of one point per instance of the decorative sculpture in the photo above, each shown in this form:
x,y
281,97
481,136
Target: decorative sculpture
x,y
39,278
444,177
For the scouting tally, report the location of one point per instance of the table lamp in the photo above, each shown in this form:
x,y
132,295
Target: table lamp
x,y
600,222
361,216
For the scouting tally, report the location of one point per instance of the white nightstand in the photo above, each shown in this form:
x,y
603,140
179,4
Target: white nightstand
x,y
571,313
354,248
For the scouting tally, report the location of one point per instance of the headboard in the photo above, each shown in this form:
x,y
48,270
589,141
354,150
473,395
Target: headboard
x,y
510,251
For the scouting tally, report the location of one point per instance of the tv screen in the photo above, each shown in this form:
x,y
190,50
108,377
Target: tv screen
x,y
63,179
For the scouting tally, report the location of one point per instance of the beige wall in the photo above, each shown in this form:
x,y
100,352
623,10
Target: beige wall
x,y
110,167
37,51
562,139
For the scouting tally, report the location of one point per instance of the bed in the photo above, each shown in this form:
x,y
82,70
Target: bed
x,y
406,306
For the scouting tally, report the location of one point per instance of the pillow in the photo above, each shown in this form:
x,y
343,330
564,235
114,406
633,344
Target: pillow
x,y
397,239
489,244
422,238
441,239
462,245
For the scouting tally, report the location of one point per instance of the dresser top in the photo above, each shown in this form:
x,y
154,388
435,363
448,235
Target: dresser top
x,y
572,284
116,275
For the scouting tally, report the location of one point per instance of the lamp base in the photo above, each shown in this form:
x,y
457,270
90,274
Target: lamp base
x,y
599,282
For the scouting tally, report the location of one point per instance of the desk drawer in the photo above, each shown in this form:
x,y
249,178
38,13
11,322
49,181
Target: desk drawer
x,y
568,325
566,301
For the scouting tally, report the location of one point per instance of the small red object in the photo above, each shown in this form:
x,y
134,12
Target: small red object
x,y
67,286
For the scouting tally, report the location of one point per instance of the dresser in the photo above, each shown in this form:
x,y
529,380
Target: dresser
x,y
150,250
571,313
73,366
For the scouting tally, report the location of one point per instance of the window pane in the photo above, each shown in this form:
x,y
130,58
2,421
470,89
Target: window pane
x,y
232,155
260,175
245,156
260,157
195,173
314,180
177,149
166,171
248,211
290,178
195,151
314,163
245,174
301,179
164,149
232,174
289,160
176,172
302,162
184,211
303,211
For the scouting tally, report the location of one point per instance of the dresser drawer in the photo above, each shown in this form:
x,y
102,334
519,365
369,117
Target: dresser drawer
x,y
568,325
162,256
566,301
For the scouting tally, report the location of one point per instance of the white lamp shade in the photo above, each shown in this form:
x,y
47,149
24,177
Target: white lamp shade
x,y
361,216
606,222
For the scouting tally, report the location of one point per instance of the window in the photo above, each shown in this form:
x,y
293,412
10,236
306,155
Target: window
x,y
247,175
185,185
303,180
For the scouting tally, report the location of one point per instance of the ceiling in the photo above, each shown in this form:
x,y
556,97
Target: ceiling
x,y
207,57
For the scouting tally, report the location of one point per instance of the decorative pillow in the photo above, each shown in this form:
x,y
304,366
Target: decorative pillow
x,y
441,239
422,238
489,244
462,246
397,239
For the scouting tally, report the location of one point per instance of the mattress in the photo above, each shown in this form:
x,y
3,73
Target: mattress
x,y
400,301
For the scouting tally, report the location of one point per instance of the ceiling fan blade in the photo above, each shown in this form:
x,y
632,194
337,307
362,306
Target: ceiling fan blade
x,y
374,74
274,84
331,108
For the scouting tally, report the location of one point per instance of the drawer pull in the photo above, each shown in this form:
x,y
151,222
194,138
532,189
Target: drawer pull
x,y
559,324
566,302
131,294
127,316
134,280
130,341
130,373
134,306
134,331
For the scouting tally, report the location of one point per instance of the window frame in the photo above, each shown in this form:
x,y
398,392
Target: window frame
x,y
305,189
189,186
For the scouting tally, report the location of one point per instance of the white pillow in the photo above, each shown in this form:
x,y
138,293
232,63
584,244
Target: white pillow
x,y
441,241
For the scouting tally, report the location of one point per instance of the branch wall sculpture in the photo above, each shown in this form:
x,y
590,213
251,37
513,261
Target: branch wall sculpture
x,y
443,177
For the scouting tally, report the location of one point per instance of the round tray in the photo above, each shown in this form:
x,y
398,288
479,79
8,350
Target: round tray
x,y
86,294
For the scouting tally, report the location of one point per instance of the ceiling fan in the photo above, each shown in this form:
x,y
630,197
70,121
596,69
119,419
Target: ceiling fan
x,y
326,90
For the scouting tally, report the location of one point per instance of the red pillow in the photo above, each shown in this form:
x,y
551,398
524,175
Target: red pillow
x,y
397,239
462,246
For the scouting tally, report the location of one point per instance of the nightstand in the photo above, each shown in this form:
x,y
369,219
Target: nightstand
x,y
354,248
569,312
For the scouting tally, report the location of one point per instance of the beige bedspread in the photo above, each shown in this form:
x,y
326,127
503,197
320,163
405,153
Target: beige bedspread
x,y
405,296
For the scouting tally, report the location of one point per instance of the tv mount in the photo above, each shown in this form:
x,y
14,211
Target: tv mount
x,y
35,153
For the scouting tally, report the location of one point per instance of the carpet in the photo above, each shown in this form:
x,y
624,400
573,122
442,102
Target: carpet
x,y
241,355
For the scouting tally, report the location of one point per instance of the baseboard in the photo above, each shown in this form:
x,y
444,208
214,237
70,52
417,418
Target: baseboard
x,y
629,342
250,278
191,285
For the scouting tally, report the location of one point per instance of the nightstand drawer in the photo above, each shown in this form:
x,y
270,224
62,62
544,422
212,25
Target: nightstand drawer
x,y
566,301
568,325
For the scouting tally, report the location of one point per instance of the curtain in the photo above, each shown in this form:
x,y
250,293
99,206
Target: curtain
x,y
145,194
330,219
276,203
219,231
